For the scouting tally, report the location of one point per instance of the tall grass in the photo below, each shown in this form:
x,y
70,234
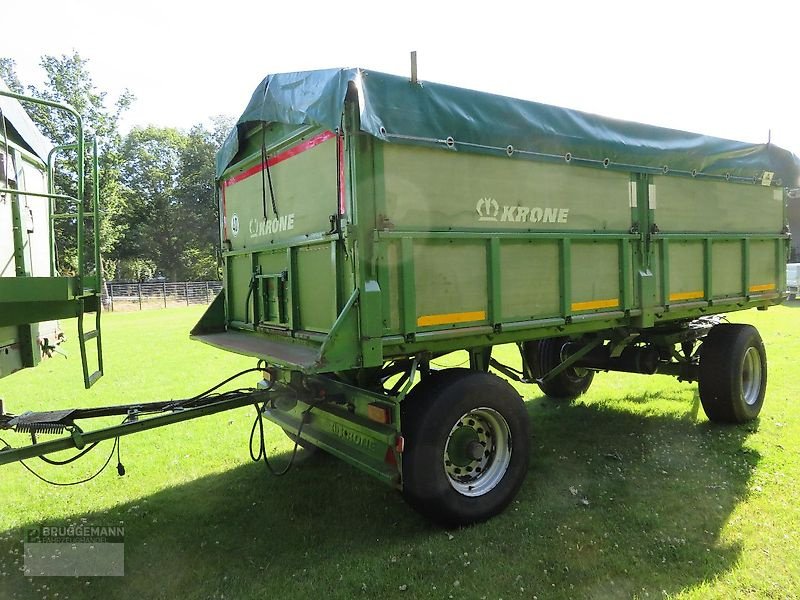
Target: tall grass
x,y
631,493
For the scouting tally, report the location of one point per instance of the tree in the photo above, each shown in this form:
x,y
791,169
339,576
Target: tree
x,y
151,158
8,73
168,181
197,200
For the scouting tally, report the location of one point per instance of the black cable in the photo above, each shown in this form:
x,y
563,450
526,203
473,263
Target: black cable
x,y
271,191
120,467
264,161
461,364
262,450
59,463
65,484
250,287
219,385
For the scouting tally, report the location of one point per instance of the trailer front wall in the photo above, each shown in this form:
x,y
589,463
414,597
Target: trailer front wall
x,y
281,266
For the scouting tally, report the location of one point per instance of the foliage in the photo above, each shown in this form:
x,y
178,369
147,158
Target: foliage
x,y
8,73
149,177
137,269
168,180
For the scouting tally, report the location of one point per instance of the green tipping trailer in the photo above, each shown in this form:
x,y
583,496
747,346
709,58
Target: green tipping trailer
x,y
370,224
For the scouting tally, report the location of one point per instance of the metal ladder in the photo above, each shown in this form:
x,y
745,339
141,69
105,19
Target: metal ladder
x,y
93,292
85,336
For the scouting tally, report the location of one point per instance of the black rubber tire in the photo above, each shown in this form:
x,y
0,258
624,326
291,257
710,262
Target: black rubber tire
x,y
421,390
545,355
733,373
429,417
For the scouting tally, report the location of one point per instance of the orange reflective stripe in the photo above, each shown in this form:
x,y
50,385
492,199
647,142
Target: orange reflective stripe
x,y
450,318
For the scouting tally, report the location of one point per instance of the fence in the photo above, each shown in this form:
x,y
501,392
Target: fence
x,y
140,296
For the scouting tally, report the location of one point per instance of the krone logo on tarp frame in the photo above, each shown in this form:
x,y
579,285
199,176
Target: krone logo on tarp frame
x,y
489,209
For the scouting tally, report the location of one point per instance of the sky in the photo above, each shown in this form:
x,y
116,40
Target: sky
x,y
723,68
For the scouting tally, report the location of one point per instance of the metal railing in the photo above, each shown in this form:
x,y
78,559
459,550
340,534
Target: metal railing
x,y
122,296
88,278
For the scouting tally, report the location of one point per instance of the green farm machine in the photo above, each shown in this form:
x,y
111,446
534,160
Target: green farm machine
x,y
33,295
371,224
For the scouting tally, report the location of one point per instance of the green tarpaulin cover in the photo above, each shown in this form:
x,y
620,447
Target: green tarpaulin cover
x,y
16,117
396,110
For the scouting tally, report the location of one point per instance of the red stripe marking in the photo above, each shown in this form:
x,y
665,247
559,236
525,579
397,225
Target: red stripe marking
x,y
224,216
340,148
279,158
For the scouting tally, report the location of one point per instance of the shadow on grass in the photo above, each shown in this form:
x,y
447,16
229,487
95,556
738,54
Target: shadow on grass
x,y
615,504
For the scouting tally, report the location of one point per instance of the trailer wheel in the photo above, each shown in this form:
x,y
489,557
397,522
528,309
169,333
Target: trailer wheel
x,y
467,442
544,356
733,373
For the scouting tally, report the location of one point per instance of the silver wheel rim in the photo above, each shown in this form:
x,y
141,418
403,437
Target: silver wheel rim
x,y
751,376
477,452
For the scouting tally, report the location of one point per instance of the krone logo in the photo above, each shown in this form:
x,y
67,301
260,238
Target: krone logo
x,y
235,224
262,227
487,209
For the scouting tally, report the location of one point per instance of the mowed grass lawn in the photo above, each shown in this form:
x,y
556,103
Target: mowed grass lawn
x,y
631,493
